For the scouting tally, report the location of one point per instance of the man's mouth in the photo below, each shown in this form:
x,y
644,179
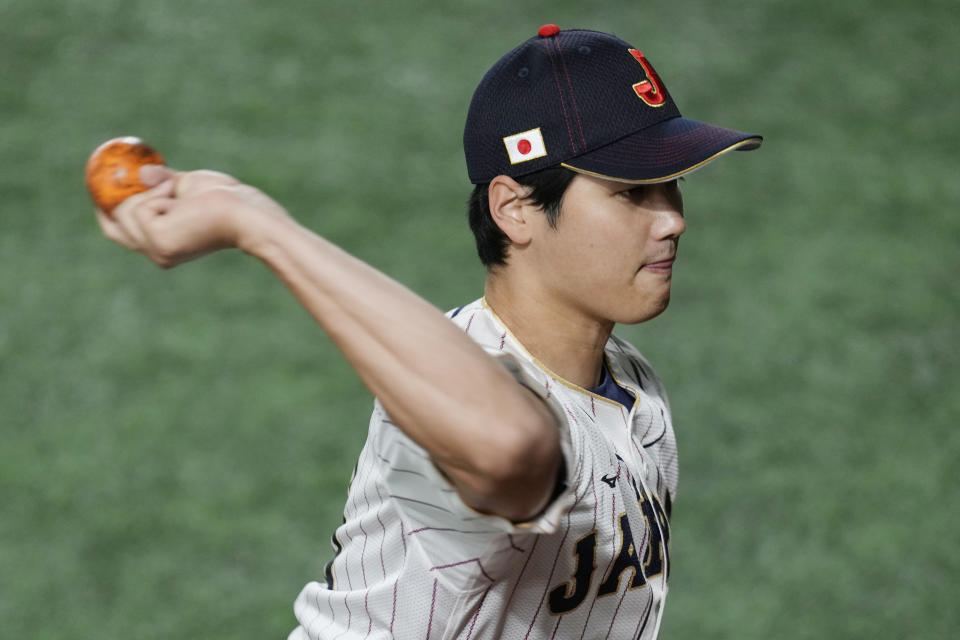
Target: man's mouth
x,y
660,266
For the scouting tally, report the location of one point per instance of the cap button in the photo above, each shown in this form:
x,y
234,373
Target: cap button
x,y
548,30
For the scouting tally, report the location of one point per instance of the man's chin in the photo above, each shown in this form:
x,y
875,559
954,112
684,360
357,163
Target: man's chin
x,y
649,312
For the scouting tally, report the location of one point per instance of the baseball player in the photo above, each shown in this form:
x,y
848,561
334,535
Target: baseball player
x,y
520,466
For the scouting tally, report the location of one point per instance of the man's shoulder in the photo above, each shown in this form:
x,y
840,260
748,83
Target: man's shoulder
x,y
620,350
628,364
460,314
485,328
479,322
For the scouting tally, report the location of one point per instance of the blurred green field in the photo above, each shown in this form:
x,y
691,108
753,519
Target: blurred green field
x,y
175,446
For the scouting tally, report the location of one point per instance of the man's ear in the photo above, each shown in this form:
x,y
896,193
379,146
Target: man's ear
x,y
509,208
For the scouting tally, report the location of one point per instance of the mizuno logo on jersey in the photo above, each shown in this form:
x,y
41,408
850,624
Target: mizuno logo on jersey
x,y
611,482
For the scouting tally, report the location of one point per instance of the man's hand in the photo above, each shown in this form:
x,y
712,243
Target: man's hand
x,y
187,215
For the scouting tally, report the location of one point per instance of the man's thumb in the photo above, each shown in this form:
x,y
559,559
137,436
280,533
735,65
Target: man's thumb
x,y
153,174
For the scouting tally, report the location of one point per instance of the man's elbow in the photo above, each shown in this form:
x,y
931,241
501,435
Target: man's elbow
x,y
517,479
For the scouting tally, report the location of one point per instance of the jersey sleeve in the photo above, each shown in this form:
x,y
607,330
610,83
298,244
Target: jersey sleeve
x,y
466,548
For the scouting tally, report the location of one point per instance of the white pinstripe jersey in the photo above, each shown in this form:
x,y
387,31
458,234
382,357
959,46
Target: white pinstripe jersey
x,y
413,561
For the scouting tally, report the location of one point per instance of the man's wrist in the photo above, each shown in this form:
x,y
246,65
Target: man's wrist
x,y
263,236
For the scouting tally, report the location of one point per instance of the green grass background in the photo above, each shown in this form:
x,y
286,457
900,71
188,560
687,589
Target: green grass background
x,y
175,446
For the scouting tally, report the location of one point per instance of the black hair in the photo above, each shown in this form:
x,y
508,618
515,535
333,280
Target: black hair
x,y
547,187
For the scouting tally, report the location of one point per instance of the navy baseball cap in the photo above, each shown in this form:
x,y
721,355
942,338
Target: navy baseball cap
x,y
590,102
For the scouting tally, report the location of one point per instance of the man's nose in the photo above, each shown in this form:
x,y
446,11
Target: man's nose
x,y
670,221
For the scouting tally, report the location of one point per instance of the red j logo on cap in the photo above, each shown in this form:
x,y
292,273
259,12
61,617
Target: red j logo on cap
x,y
651,89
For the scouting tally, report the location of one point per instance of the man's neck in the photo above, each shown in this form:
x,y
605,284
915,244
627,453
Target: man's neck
x,y
564,339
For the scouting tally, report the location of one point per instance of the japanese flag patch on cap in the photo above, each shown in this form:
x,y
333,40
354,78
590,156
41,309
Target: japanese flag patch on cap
x,y
524,146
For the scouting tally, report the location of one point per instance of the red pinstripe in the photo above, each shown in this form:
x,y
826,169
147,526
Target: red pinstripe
x,y
516,584
556,627
477,614
383,527
593,485
366,605
393,616
643,618
617,610
573,98
433,606
563,106
396,583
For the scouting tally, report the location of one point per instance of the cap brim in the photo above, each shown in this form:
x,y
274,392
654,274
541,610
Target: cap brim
x,y
665,151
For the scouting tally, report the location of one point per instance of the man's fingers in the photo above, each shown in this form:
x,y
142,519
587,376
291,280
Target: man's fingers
x,y
177,219
150,209
113,231
131,214
153,174
163,190
194,182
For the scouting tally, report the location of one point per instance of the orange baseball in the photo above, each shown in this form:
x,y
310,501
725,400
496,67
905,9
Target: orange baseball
x,y
112,173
